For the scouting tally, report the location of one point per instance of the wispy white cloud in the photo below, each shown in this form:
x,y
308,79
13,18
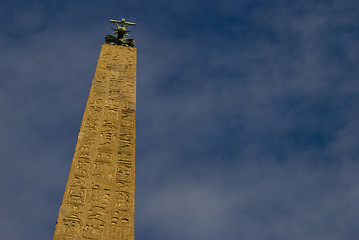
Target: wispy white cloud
x,y
246,121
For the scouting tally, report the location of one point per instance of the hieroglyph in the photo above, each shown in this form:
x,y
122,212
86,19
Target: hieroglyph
x,y
98,202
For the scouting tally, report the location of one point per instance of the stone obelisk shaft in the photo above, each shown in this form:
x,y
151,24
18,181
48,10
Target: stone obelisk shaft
x,y
98,202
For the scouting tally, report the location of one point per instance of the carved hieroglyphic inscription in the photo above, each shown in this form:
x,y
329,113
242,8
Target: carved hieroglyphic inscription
x,y
98,202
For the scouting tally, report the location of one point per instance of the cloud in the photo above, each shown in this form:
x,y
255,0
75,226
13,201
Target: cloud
x,y
263,122
246,117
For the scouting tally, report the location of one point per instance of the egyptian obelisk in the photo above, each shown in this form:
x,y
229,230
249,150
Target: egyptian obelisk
x,y
98,202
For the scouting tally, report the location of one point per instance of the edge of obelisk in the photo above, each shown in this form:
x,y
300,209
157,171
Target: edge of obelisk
x,y
106,45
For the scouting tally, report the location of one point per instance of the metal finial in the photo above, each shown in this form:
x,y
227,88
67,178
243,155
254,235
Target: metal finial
x,y
121,32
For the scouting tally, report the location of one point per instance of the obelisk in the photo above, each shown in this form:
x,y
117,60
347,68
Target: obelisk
x,y
98,202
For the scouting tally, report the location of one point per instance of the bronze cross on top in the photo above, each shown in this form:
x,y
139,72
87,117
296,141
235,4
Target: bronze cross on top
x,y
123,22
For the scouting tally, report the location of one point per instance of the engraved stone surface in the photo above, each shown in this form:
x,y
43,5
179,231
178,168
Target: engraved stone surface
x,y
98,201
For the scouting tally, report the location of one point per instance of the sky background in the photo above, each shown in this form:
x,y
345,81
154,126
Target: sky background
x,y
247,115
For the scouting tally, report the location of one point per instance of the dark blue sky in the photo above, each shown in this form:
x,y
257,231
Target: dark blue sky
x,y
247,115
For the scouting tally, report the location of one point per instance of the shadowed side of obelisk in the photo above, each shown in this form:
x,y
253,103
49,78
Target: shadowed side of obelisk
x,y
98,202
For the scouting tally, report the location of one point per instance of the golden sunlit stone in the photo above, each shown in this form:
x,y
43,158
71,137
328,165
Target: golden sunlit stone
x,y
98,202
